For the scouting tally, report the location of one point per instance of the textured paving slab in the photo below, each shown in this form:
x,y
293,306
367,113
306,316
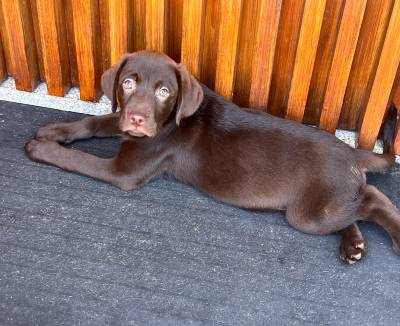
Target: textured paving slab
x,y
75,251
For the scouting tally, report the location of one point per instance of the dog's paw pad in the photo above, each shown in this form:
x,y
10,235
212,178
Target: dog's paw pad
x,y
352,250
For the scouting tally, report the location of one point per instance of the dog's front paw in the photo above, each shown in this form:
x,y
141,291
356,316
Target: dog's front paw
x,y
53,132
41,151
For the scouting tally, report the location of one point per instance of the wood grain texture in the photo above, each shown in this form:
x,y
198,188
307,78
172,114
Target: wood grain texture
x,y
305,56
18,28
246,52
285,53
88,50
227,47
257,42
383,81
174,28
346,43
210,42
54,45
156,22
69,27
118,28
192,34
3,68
139,25
365,62
266,32
38,41
323,60
8,58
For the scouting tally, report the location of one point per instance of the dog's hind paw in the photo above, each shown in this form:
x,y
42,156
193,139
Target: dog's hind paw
x,y
351,249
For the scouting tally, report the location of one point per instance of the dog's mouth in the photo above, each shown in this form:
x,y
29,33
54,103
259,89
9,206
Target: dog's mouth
x,y
138,131
135,133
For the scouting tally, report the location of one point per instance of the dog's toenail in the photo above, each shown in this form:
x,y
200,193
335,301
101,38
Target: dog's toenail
x,y
357,257
360,246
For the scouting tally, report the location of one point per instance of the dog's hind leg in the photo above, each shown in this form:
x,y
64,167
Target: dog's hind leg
x,y
376,207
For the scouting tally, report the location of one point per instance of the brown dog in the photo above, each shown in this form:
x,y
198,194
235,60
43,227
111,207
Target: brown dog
x,y
172,124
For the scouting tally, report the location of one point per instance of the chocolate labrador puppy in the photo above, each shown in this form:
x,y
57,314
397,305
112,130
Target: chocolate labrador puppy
x,y
172,124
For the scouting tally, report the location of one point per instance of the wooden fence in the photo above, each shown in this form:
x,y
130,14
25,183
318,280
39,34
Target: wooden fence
x,y
328,62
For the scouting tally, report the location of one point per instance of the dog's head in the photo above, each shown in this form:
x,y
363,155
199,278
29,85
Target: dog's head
x,y
148,87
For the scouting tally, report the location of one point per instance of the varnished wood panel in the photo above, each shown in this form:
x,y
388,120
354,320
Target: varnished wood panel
x,y
174,28
192,34
88,49
18,29
8,57
258,35
372,35
305,56
210,39
227,47
139,25
69,28
156,20
346,43
38,41
54,45
3,68
285,53
385,74
323,60
118,28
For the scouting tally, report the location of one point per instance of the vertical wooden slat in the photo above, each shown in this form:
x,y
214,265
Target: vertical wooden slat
x,y
305,56
323,60
174,28
346,43
19,30
285,53
8,58
192,34
69,26
365,62
54,45
88,49
383,81
104,11
38,41
267,32
139,25
3,68
156,37
118,16
227,47
210,40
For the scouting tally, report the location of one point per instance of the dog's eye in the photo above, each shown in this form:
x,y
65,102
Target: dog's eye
x,y
163,92
128,84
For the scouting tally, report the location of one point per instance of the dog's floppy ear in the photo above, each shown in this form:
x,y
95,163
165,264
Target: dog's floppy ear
x,y
110,79
190,94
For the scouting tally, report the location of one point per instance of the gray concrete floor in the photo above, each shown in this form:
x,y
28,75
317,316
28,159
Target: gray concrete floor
x,y
75,251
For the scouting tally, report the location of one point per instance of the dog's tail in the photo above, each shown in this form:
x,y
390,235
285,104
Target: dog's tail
x,y
374,162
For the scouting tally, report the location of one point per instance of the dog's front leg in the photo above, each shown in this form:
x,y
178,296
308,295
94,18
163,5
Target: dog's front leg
x,y
66,132
72,160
